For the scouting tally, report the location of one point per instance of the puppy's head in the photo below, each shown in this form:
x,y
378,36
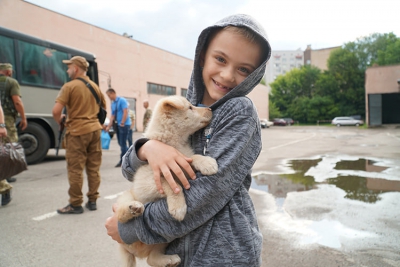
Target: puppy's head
x,y
176,114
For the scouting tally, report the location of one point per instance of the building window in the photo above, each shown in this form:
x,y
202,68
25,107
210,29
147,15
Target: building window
x,y
159,89
183,92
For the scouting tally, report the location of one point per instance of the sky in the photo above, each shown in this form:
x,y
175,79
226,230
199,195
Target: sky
x,y
174,25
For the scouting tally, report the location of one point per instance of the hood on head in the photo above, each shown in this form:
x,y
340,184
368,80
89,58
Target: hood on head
x,y
196,87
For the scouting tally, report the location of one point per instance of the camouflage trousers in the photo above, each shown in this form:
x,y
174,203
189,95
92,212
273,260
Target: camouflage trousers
x,y
12,133
4,186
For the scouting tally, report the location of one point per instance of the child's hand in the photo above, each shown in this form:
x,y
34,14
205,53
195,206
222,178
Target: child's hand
x,y
165,160
112,225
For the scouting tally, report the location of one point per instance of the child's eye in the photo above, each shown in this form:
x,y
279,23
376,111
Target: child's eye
x,y
220,59
244,70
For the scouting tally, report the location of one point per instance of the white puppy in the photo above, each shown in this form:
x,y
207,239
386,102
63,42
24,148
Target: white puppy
x,y
173,120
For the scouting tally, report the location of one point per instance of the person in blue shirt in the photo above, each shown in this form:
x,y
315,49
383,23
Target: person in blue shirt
x,y
119,113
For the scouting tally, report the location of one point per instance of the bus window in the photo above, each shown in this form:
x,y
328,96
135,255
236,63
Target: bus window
x,y
7,52
42,66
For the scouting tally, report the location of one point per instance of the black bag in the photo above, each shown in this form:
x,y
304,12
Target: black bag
x,y
102,115
115,126
115,122
12,159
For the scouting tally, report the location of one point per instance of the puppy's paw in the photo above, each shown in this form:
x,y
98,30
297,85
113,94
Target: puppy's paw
x,y
164,261
206,165
175,260
130,210
177,212
136,208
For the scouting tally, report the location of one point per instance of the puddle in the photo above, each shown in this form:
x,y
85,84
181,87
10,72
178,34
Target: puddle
x,y
342,202
348,175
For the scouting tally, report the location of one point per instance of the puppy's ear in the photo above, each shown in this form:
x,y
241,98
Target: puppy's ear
x,y
173,103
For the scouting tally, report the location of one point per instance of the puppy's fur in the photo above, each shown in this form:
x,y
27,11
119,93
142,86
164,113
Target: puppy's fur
x,y
173,120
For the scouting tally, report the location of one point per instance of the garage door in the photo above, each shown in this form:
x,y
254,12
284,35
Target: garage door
x,y
375,109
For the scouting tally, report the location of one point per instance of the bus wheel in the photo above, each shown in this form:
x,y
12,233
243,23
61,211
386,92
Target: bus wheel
x,y
35,142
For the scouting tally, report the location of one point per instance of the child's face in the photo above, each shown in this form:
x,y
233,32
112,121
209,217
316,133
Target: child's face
x,y
229,59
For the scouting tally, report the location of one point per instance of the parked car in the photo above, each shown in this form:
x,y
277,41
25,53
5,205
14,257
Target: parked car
x,y
266,123
111,131
339,121
289,121
279,122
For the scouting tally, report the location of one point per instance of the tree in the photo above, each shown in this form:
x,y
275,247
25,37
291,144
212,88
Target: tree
x,y
292,87
366,49
273,111
343,65
391,55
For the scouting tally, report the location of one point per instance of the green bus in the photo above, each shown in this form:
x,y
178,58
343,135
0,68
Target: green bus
x,y
40,72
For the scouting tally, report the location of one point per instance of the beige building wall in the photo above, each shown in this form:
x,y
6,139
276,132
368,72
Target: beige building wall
x,y
382,80
319,57
131,64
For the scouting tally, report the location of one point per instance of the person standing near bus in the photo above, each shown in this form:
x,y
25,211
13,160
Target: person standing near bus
x,y
82,137
120,113
10,97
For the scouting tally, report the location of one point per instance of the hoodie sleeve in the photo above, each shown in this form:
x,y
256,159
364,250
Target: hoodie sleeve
x,y
235,144
130,161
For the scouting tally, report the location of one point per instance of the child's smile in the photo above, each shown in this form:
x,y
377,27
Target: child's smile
x,y
228,60
222,87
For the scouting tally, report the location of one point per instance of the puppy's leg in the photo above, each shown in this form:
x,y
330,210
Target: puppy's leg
x,y
204,164
127,259
128,207
157,257
176,202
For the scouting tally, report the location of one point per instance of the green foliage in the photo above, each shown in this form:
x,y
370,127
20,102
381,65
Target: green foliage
x,y
366,49
288,89
263,81
273,111
344,65
391,55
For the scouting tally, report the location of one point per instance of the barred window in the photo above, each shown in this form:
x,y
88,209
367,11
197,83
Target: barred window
x,y
159,89
183,92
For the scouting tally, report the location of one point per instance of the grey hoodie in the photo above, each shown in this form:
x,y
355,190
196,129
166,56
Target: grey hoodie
x,y
220,228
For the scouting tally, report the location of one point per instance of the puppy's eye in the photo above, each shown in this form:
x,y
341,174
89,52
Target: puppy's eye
x,y
190,107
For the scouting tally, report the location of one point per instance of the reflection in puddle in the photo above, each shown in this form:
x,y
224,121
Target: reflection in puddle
x,y
356,187
359,165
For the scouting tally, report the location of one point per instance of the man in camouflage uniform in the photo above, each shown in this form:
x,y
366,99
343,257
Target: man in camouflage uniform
x,y
147,114
10,98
